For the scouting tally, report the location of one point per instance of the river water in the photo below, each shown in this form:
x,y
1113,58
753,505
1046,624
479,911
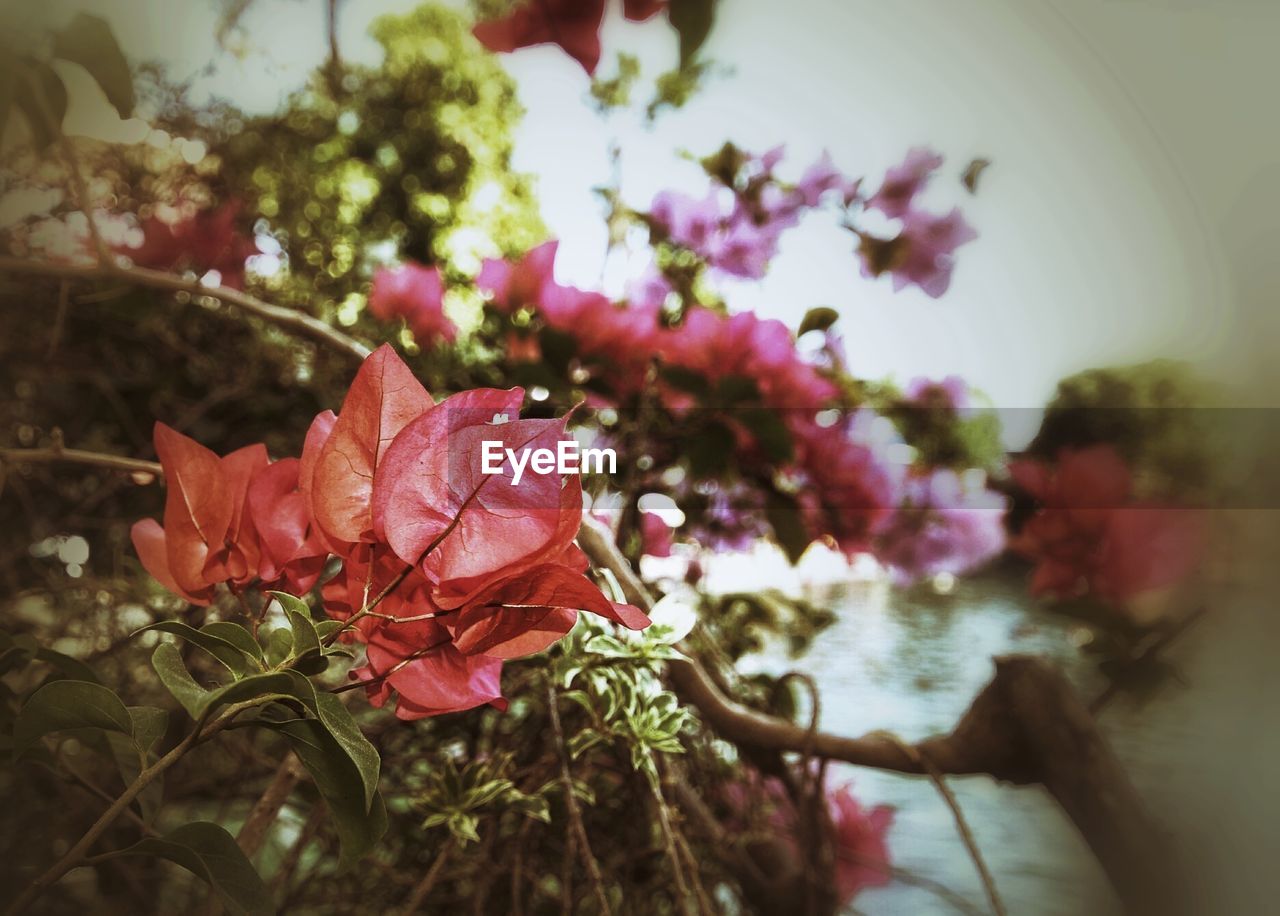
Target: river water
x,y
912,661
1201,749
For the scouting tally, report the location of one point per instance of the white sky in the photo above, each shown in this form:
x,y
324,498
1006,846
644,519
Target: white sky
x,y
1130,212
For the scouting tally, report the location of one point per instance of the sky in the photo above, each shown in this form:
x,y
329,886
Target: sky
x,y
1129,212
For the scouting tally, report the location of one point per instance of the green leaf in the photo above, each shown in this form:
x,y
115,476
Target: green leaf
x,y
817,319
973,173
709,452
69,667
130,758
149,724
769,430
235,634
211,854
326,628
275,684
783,514
66,704
341,726
173,673
41,95
231,655
692,21
279,646
305,637
88,42
199,702
339,782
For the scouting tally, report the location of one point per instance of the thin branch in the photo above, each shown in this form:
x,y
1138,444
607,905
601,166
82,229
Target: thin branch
x,y
74,856
571,805
55,455
669,841
59,318
291,320
962,824
422,889
267,808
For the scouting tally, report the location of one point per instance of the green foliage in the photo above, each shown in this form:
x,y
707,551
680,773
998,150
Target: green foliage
x,y
211,854
817,319
64,705
456,798
617,681
615,92
392,156
87,40
692,19
341,781
1158,415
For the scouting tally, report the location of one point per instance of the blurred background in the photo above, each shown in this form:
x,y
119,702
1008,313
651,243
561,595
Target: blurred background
x,y
1129,213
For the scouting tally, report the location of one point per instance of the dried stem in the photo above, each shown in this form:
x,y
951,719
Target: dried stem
x,y
291,320
571,804
669,841
422,889
267,808
962,824
56,455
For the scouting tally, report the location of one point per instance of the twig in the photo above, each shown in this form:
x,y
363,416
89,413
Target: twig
x,y
59,318
267,808
571,804
200,733
962,825
669,841
57,454
420,890
291,320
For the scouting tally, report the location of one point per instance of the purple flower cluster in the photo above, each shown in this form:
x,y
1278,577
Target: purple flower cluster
x,y
943,525
736,229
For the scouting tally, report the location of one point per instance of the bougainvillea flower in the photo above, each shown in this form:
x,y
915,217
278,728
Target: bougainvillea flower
x,y
416,294
528,612
640,10
513,286
897,193
747,346
655,535
861,852
620,339
431,677
941,526
822,177
383,399
209,240
1090,536
931,242
574,25
851,487
922,254
687,221
207,537
435,505
858,833
292,554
